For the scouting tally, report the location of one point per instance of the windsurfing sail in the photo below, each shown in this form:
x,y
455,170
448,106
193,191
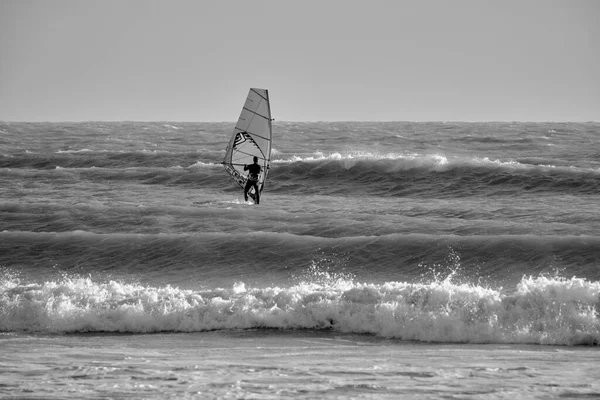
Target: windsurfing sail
x,y
251,137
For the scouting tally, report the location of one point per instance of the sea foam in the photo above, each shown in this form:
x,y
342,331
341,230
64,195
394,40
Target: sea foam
x,y
539,310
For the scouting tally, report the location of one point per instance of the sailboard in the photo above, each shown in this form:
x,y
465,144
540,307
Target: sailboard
x,y
251,137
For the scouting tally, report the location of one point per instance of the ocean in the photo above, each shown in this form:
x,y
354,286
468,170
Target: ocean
x,y
385,260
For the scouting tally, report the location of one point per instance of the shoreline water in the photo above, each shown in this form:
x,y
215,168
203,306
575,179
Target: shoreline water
x,y
289,364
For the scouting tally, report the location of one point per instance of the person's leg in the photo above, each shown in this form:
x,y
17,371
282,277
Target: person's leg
x,y
256,193
246,188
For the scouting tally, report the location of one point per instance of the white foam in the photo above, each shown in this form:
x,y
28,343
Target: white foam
x,y
540,310
202,164
76,151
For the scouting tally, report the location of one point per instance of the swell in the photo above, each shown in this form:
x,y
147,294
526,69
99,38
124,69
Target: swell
x,y
425,175
434,175
85,158
276,257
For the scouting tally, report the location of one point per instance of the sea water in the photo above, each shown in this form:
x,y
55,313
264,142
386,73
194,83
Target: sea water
x,y
386,260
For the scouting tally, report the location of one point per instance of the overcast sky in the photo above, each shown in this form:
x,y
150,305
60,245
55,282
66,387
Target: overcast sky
x,y
433,60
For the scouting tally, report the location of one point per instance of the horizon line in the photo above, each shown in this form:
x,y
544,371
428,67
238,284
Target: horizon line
x,y
300,121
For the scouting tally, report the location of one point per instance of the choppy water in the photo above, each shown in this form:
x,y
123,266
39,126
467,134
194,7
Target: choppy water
x,y
431,232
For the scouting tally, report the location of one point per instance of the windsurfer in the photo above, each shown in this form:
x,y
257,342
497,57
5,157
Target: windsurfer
x,y
254,172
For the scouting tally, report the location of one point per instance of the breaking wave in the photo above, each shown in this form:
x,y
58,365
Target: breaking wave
x,y
542,310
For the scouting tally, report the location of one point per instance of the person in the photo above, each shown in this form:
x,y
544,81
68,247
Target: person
x,y
254,172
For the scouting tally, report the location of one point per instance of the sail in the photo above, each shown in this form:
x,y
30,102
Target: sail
x,y
251,137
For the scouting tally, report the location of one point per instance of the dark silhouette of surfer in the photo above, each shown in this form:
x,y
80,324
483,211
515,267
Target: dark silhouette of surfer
x,y
253,174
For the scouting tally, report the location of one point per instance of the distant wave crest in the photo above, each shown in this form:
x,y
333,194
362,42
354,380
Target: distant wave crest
x,y
429,161
404,174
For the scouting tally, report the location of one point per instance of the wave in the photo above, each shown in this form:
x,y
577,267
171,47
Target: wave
x,y
177,258
435,175
80,151
86,158
433,162
284,235
542,310
390,161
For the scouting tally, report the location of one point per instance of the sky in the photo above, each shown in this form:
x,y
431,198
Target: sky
x,y
321,60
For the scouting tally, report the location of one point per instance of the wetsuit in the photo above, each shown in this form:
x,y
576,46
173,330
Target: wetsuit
x,y
252,181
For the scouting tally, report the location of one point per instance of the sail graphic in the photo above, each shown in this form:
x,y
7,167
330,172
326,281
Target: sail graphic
x,y
251,137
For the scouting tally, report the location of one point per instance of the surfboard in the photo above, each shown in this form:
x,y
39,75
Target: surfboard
x,y
251,137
